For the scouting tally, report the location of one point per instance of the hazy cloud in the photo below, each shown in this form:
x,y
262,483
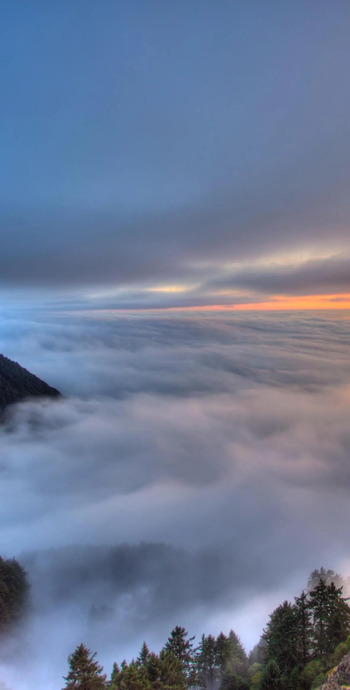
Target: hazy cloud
x,y
175,146
224,437
318,276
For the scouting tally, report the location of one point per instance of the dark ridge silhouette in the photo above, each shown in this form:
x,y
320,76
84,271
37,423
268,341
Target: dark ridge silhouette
x,y
14,590
16,384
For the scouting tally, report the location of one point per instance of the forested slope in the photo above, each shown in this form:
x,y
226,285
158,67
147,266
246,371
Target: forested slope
x,y
14,590
16,384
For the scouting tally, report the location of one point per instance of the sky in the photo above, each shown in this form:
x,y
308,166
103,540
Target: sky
x,y
175,259
176,154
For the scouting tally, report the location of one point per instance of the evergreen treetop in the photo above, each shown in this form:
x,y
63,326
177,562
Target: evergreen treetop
x,y
84,672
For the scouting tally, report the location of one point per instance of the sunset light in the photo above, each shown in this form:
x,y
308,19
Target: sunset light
x,y
175,345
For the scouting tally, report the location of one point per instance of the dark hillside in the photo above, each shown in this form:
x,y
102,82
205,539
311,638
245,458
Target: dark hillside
x,y
16,384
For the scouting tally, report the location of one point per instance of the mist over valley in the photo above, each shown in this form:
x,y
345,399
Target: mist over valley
x,y
193,473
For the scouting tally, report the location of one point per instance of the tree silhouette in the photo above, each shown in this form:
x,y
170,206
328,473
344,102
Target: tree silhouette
x,y
182,647
84,672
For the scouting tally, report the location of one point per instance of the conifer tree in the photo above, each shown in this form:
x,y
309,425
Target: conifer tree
x,y
115,676
206,661
325,574
182,647
233,681
144,655
258,653
223,653
303,629
271,678
339,616
154,670
13,592
172,674
84,672
236,648
330,618
281,637
318,598
134,677
237,660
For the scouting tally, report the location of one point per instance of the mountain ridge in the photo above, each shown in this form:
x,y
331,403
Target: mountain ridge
x,y
18,384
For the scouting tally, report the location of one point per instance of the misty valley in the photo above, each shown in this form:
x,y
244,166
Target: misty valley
x,y
141,499
305,644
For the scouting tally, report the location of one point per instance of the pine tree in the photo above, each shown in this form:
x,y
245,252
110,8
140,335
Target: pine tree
x,y
281,637
304,629
271,678
233,681
172,675
319,607
85,673
325,574
223,653
14,590
182,647
154,670
339,617
237,660
206,662
236,648
330,618
258,653
115,676
224,656
134,677
144,655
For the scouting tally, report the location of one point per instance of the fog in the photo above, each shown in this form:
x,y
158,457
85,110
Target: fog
x,y
194,473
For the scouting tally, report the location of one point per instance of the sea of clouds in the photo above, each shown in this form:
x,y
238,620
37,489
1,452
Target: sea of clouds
x,y
194,473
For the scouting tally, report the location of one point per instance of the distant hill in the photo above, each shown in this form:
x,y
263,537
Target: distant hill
x,y
16,384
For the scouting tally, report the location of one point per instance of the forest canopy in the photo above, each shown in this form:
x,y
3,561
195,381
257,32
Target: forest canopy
x,y
300,642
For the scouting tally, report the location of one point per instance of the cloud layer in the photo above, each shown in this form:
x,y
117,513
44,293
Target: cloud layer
x,y
185,140
224,437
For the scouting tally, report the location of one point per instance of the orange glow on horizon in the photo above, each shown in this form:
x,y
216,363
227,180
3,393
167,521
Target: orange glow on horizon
x,y
286,303
283,303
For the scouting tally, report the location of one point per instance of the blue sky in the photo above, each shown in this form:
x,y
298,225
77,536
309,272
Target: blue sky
x,y
155,144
